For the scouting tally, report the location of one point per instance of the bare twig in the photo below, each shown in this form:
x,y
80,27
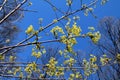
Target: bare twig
x,y
41,42
11,12
1,6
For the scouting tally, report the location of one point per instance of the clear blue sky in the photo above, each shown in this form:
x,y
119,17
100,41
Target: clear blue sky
x,y
45,11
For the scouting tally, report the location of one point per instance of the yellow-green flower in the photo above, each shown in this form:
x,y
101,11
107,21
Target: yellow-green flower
x,y
31,67
36,54
118,56
73,41
51,67
2,57
93,58
104,60
55,20
69,2
21,75
69,48
95,37
57,29
60,52
75,30
12,58
16,70
72,75
64,39
30,29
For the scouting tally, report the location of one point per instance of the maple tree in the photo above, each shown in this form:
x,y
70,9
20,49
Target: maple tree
x,y
66,35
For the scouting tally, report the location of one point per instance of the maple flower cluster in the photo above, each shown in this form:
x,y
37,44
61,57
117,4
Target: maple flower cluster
x,y
54,70
57,29
90,66
70,62
95,37
104,59
31,67
51,66
75,30
74,76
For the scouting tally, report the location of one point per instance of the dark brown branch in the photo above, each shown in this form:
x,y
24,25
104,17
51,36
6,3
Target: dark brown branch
x,y
41,42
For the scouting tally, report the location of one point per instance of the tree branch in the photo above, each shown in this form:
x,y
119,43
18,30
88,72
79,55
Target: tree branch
x,y
10,13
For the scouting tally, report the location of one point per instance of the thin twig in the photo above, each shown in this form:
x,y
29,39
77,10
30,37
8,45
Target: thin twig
x,y
13,11
41,42
3,4
32,78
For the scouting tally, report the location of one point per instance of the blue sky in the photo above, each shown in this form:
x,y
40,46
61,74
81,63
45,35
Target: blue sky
x,y
45,11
